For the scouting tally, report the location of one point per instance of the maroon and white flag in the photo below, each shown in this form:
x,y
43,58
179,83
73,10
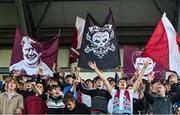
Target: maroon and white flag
x,y
28,55
134,61
77,39
163,46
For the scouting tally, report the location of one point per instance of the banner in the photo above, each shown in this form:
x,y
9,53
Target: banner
x,y
133,60
28,55
163,46
100,44
77,39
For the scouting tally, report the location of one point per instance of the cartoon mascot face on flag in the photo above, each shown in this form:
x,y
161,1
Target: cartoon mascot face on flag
x,y
138,62
100,39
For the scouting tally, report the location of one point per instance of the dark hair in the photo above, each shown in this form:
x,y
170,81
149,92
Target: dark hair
x,y
38,82
53,87
89,80
69,75
123,78
155,81
96,78
68,97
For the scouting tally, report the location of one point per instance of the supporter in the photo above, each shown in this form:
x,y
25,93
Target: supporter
x,y
153,91
10,101
28,90
54,100
158,101
59,75
99,96
36,104
69,84
86,99
72,107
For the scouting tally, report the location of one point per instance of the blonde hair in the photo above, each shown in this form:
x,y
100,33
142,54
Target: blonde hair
x,y
15,81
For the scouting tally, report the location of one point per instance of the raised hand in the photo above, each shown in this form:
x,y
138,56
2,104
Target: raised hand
x,y
41,70
78,69
54,67
150,76
58,69
75,82
72,70
146,63
92,65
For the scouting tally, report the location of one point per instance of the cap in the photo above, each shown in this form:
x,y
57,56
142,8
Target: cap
x,y
69,75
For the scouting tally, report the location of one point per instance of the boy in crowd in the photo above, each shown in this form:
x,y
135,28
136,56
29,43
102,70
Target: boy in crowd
x,y
99,96
72,107
36,104
10,101
54,100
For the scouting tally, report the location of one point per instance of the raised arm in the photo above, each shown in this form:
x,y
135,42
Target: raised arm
x,y
139,79
94,67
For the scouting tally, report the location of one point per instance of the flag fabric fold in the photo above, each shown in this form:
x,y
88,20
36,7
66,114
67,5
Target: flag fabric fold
x,y
163,46
99,44
77,39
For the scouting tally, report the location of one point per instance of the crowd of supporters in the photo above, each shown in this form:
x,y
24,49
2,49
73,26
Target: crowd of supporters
x,y
70,94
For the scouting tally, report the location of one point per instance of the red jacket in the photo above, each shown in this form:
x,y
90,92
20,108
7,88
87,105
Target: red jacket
x,y
35,105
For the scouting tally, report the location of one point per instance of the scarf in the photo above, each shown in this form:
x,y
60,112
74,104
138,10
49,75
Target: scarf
x,y
126,103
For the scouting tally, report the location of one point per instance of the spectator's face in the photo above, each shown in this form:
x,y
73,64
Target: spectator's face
x,y
12,85
89,84
99,83
28,85
69,80
173,79
40,86
122,84
155,86
30,54
21,86
177,112
161,90
55,92
112,83
70,105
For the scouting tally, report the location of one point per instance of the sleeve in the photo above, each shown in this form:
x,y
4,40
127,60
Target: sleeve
x,y
20,105
85,91
147,94
109,96
86,110
43,97
25,106
45,108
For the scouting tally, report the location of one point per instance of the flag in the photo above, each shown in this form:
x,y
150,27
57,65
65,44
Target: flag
x,y
28,55
99,44
163,46
134,61
77,39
